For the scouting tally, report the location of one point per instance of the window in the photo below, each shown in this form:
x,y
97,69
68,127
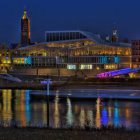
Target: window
x,y
85,67
70,67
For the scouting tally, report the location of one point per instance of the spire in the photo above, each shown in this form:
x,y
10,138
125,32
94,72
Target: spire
x,y
114,32
25,15
114,37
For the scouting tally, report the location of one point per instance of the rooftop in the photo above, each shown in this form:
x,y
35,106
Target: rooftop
x,y
95,37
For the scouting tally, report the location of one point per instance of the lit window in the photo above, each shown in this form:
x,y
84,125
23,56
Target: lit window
x,y
22,60
85,67
70,67
110,67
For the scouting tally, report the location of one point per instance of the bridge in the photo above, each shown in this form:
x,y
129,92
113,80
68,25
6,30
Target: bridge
x,y
116,72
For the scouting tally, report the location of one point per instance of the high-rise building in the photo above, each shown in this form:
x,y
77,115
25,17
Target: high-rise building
x,y
25,29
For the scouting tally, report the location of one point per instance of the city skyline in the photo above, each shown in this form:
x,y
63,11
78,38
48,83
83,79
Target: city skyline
x,y
97,17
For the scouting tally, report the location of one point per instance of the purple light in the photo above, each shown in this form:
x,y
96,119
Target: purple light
x,y
45,82
116,72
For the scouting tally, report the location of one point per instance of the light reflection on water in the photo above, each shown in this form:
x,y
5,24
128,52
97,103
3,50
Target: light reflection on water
x,y
16,108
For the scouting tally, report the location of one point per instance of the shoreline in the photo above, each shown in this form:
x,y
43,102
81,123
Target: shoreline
x,y
14,133
58,86
74,82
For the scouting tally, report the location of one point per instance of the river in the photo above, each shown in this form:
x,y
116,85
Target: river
x,y
17,108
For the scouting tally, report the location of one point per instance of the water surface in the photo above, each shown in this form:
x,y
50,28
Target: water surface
x,y
17,108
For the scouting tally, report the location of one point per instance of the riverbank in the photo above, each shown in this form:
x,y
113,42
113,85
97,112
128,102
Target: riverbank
x,y
30,86
64,134
73,82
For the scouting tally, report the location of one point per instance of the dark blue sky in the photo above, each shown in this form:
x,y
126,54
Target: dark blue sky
x,y
97,16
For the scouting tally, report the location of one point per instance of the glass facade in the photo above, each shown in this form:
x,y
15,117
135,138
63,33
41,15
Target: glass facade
x,y
75,50
61,36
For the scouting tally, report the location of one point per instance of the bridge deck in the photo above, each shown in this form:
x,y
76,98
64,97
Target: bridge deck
x,y
116,72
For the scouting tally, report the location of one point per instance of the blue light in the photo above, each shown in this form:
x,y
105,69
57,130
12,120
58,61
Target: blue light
x,y
116,60
105,59
104,117
116,117
27,60
102,58
116,114
7,57
27,95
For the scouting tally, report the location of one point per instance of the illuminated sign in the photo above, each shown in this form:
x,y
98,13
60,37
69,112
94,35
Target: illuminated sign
x,y
22,60
71,67
85,67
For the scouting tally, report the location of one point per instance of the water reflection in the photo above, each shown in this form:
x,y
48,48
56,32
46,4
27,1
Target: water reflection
x,y
6,106
116,115
56,112
104,117
82,117
98,117
17,107
69,113
27,100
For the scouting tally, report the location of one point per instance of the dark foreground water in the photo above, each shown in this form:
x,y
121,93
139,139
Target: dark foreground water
x,y
17,108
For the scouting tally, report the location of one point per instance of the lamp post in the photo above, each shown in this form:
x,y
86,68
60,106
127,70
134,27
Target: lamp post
x,y
48,82
48,85
48,117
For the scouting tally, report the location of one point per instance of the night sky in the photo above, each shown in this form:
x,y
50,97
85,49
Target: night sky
x,y
97,16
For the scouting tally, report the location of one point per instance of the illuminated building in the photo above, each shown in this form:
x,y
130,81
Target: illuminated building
x,y
135,53
6,54
68,52
25,29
